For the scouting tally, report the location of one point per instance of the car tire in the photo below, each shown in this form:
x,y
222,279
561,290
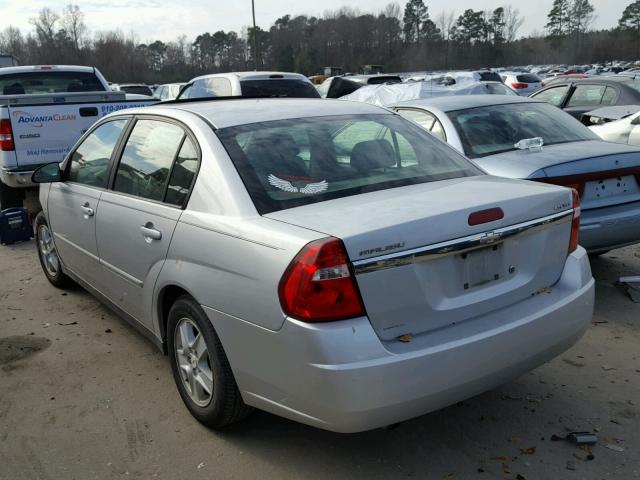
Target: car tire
x,y
199,363
48,254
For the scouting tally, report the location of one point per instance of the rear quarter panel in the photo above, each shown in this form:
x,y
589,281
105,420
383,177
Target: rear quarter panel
x,y
233,264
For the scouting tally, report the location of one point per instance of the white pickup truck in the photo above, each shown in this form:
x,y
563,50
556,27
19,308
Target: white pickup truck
x,y
43,112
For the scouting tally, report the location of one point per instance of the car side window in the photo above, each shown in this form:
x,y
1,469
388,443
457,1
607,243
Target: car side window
x,y
182,174
218,87
90,162
426,120
147,159
554,95
586,96
610,96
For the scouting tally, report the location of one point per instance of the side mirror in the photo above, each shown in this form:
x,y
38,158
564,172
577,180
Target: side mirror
x,y
48,173
636,120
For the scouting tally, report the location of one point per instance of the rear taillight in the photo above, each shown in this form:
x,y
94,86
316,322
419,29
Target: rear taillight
x,y
575,223
6,136
519,85
578,187
319,285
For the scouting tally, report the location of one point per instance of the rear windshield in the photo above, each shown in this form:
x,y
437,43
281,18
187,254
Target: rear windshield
x,y
49,81
138,89
381,80
497,128
295,162
490,77
494,88
528,78
278,88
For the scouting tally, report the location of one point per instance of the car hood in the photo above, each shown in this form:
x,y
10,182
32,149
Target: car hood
x,y
527,164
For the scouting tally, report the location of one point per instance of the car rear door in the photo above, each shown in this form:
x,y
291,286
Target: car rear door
x,y
73,203
139,213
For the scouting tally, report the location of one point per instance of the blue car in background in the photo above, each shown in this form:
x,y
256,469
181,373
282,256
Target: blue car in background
x,y
518,137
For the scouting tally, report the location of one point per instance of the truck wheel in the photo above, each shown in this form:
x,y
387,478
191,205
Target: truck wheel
x,y
48,255
10,197
200,367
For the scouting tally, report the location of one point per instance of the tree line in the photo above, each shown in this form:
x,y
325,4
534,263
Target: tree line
x,y
401,39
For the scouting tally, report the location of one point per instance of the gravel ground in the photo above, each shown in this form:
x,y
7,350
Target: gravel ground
x,y
84,396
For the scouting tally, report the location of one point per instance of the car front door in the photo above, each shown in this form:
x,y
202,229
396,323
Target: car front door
x,y
73,203
139,213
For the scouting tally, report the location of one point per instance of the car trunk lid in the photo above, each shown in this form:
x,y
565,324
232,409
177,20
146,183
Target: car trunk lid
x,y
420,265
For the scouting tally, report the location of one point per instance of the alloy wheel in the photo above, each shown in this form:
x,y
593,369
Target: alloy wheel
x,y
48,251
194,364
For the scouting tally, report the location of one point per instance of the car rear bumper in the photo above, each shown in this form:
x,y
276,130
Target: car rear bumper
x,y
606,228
17,178
339,376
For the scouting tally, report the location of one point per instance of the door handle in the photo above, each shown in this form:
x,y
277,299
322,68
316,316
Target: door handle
x,y
149,233
87,210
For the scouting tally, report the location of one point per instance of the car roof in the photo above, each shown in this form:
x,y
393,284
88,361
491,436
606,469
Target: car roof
x,y
602,80
243,111
47,68
252,75
461,102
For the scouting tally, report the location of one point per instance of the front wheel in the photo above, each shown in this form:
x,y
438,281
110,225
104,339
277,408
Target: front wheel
x,y
200,367
48,255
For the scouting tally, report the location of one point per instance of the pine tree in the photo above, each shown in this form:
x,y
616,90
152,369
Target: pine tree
x,y
417,24
630,19
558,24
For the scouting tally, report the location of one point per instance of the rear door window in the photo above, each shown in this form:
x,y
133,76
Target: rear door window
x,y
182,174
426,120
586,96
147,159
554,95
610,96
90,162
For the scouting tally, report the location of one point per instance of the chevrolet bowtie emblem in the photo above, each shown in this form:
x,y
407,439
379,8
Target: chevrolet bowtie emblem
x,y
490,237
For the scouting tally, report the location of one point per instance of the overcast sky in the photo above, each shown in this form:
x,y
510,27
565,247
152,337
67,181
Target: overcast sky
x,y
162,19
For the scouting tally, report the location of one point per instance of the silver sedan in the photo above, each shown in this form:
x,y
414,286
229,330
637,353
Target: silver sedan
x,y
326,261
523,138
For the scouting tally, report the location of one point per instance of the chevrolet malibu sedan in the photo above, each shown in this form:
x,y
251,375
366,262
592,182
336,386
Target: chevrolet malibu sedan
x,y
326,261
517,137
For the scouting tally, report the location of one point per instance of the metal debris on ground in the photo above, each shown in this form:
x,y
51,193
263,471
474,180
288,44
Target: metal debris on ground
x,y
582,438
66,324
615,448
528,451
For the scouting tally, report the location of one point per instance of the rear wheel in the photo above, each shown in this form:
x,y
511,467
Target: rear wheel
x,y
48,255
200,367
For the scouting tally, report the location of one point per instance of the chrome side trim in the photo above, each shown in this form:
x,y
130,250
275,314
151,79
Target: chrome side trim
x,y
459,245
122,273
77,247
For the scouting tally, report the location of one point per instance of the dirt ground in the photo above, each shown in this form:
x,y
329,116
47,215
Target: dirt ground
x,y
84,396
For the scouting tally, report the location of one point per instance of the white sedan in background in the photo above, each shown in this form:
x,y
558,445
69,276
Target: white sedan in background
x,y
620,124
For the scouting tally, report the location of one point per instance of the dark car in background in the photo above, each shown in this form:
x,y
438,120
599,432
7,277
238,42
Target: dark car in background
x,y
578,96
